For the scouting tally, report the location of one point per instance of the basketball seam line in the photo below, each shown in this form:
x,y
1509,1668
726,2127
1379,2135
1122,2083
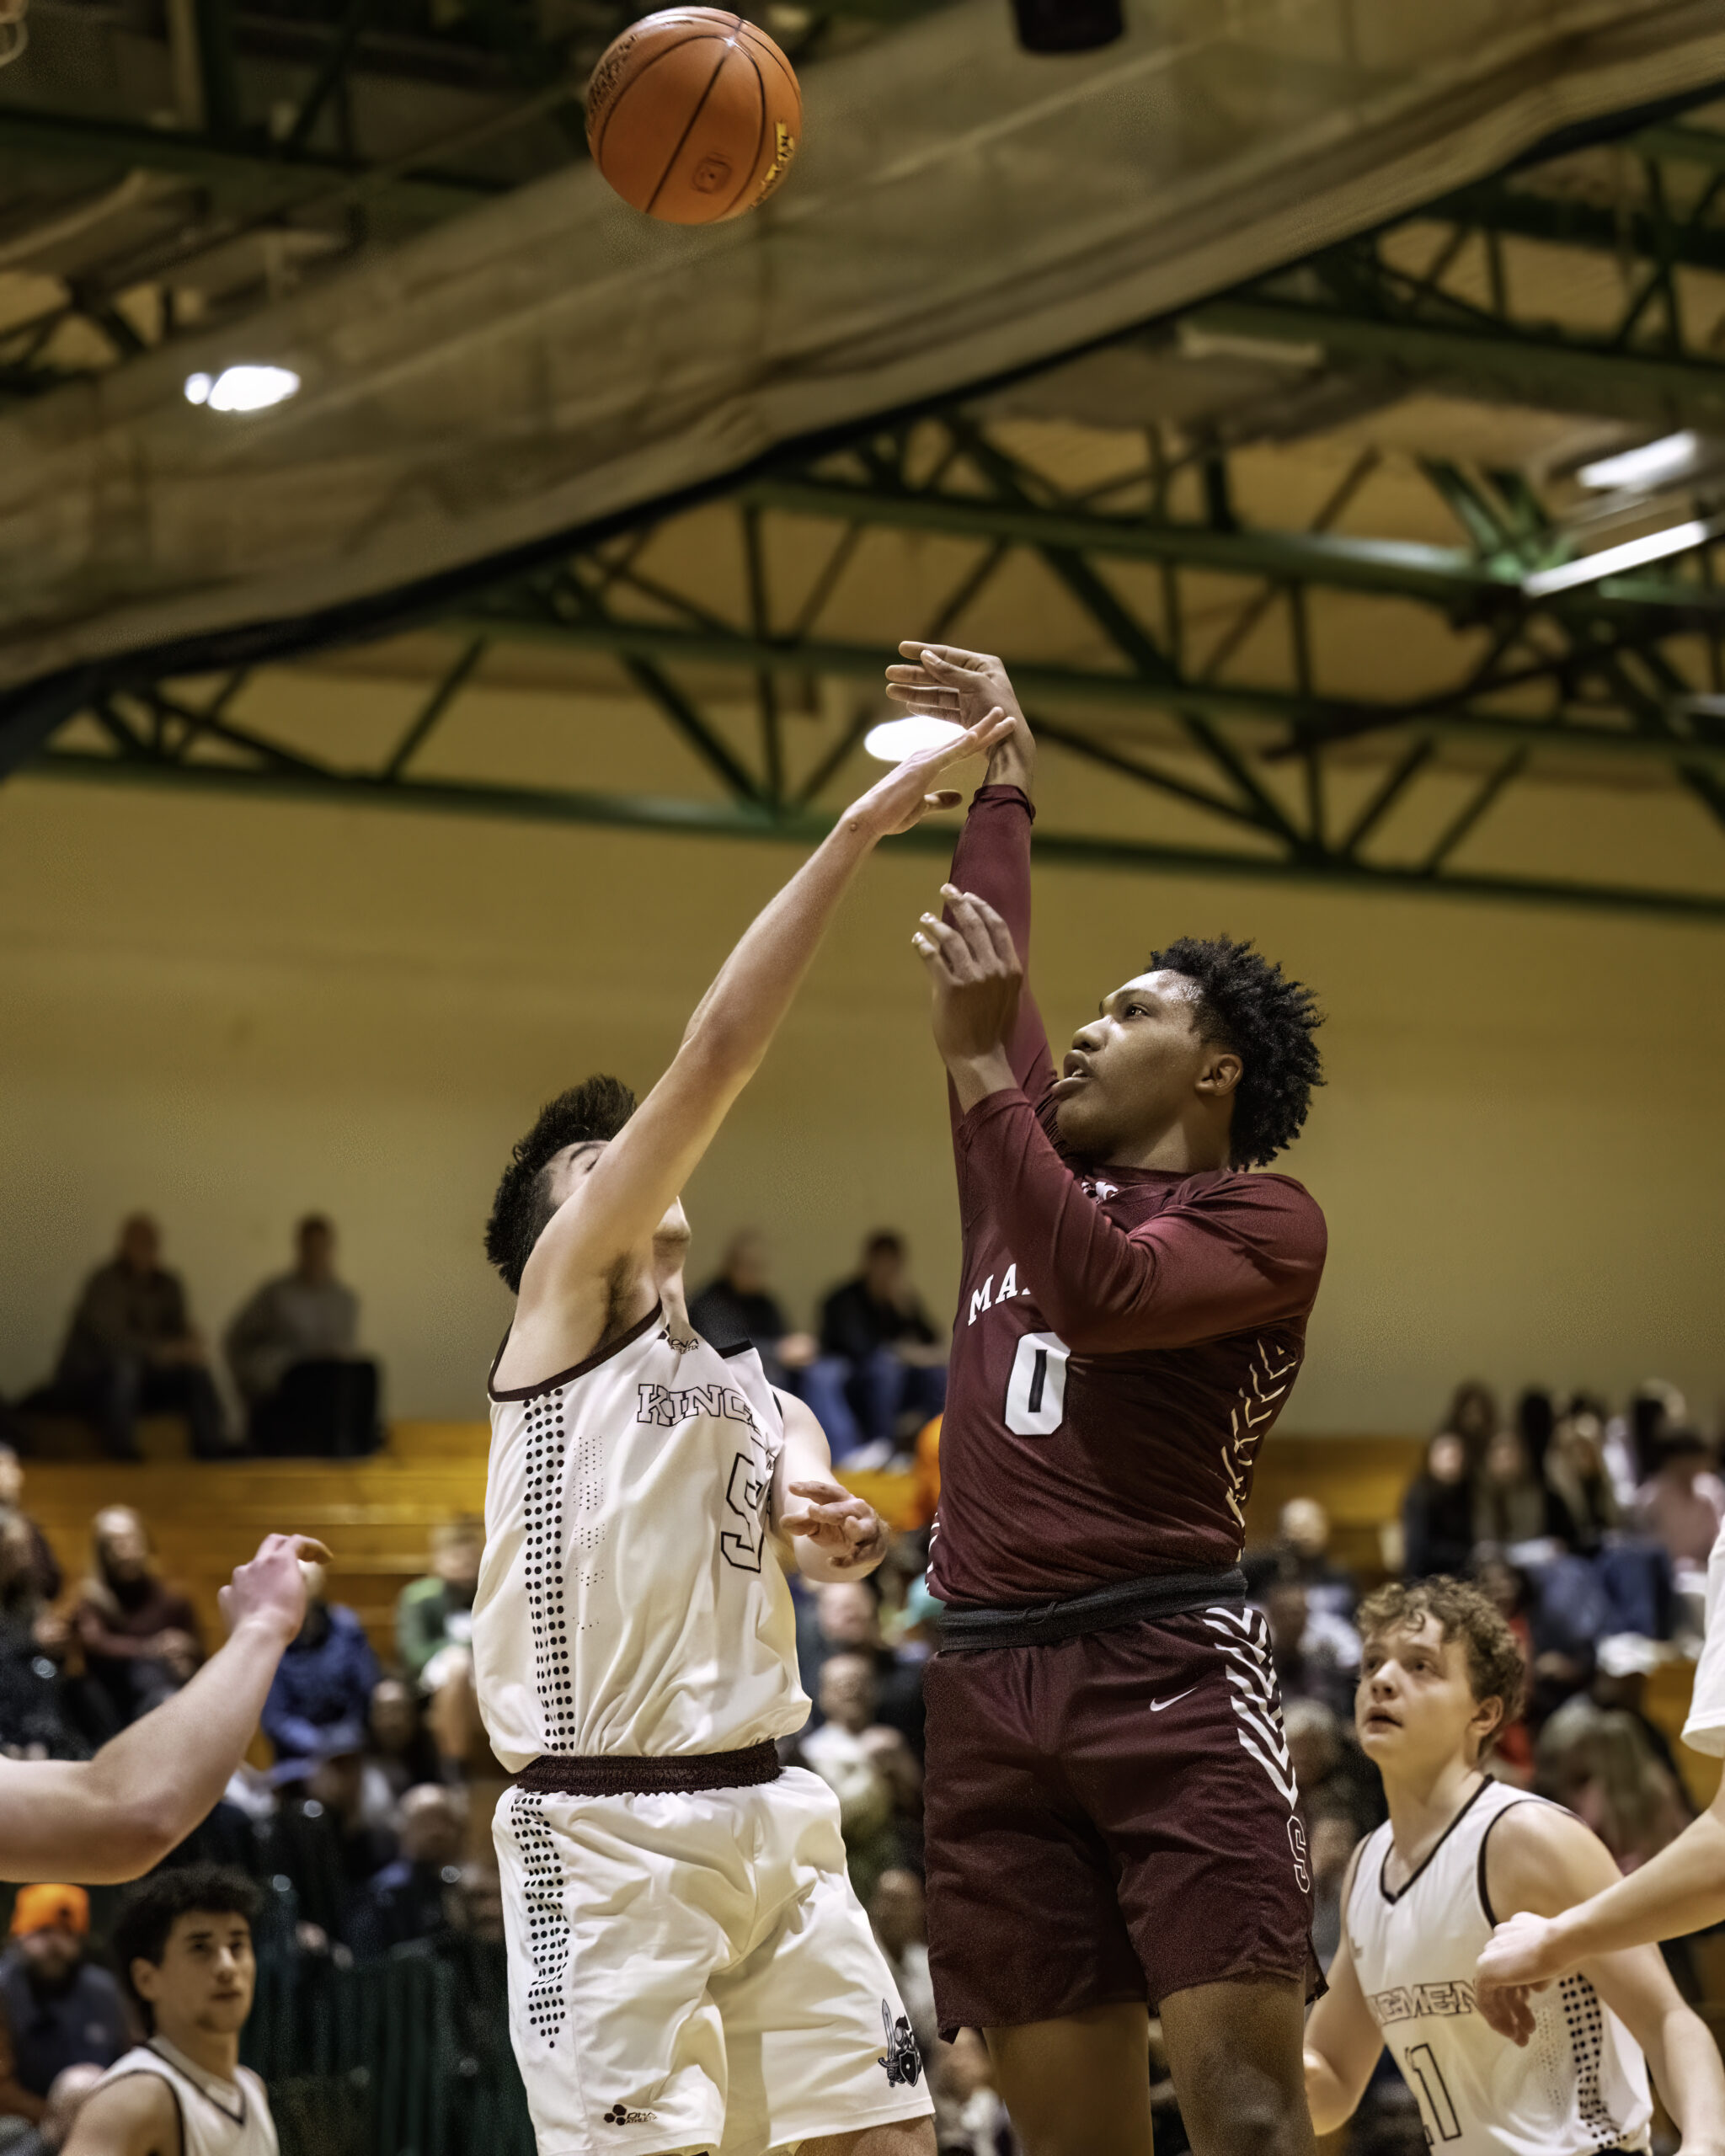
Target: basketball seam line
x,y
670,162
753,165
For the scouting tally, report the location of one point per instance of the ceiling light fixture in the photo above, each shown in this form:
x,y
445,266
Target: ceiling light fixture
x,y
1649,466
895,739
1613,561
241,388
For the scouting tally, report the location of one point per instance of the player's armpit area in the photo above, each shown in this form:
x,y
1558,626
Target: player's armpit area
x,y
137,2116
1541,1858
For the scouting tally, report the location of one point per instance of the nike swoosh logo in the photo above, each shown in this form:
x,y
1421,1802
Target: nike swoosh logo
x,y
1156,1705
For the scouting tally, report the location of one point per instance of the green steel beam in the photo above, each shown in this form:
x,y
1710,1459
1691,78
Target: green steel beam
x,y
1337,716
254,182
1523,366
736,820
1520,212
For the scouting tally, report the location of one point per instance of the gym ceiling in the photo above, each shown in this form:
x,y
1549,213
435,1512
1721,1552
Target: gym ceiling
x,y
1253,385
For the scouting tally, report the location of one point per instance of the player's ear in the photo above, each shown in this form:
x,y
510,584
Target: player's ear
x,y
1221,1072
146,1979
1488,1720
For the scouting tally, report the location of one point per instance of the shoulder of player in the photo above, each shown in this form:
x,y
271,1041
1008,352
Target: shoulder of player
x,y
136,2114
1265,1204
1537,1856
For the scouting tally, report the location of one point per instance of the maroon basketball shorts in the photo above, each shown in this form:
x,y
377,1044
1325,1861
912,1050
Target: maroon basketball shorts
x,y
1111,1817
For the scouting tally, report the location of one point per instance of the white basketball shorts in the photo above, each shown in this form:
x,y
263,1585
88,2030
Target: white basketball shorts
x,y
695,1972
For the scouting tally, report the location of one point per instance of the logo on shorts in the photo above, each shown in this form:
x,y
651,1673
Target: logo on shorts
x,y
903,2061
620,2115
1296,1842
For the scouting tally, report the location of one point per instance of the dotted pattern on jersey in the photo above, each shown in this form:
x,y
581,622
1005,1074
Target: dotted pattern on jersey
x,y
547,1922
1584,2019
542,1563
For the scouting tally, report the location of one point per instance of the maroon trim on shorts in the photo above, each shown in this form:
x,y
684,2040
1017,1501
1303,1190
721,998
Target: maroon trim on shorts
x,y
650,1774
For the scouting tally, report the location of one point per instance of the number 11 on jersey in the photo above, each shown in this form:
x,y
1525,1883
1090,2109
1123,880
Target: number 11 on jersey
x,y
1036,1392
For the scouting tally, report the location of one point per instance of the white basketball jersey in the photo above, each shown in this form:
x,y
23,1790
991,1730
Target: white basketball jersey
x,y
629,1599
1580,2084
216,2117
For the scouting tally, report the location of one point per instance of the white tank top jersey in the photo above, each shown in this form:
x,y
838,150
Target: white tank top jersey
x,y
216,2117
1580,2084
1705,1730
629,1599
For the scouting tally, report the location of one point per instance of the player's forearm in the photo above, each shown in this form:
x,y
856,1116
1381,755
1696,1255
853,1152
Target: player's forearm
x,y
1689,2075
1329,2102
1680,1890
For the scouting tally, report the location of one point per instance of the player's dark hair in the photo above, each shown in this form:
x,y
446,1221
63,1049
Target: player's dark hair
x,y
1495,1667
148,1914
1248,1004
597,1108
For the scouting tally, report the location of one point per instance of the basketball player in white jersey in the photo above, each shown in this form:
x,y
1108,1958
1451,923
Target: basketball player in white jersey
x,y
690,1969
1439,1672
183,1943
1680,1890
110,1818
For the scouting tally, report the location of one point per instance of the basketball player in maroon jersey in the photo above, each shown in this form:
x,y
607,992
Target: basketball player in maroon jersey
x,y
1111,1824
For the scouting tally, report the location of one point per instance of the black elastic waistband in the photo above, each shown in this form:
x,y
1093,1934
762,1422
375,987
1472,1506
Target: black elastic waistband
x,y
668,1775
1121,1602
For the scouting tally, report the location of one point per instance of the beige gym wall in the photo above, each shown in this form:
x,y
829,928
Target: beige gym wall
x,y
231,1012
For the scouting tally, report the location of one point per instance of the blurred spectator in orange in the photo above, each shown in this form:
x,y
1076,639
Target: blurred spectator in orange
x,y
133,1348
59,2009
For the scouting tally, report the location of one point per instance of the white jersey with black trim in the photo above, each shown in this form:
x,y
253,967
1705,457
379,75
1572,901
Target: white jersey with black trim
x,y
630,1601
216,2117
1580,2086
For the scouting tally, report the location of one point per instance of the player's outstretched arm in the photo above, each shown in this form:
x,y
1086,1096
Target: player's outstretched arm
x,y
137,2116
1542,1860
615,1207
1680,1890
1341,2040
820,1528
111,1817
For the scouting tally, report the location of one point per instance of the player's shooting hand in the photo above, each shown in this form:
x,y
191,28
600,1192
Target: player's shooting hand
x,y
906,794
271,1590
973,968
1521,1956
943,680
846,1530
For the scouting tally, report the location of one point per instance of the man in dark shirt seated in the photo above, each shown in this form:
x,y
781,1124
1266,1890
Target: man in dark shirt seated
x,y
737,1305
880,1359
292,1350
59,2009
133,1348
321,1700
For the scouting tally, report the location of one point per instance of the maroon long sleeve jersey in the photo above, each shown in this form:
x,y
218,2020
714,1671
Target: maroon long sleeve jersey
x,y
1125,1337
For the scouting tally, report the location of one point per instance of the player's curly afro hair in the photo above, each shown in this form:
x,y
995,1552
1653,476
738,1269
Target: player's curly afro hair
x,y
1249,1004
598,1107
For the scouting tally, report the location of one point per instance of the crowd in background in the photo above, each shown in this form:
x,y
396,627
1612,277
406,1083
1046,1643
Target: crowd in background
x,y
1590,1529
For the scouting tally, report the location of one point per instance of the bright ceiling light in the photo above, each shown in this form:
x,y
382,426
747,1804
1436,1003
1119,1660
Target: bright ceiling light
x,y
1613,561
895,739
1649,466
242,388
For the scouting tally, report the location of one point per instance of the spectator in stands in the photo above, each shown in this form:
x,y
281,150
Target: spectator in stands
x,y
59,2009
848,1617
881,1360
132,1349
867,1766
737,1305
1682,1503
967,2082
399,1752
1330,1842
1535,1418
45,1565
407,1899
900,1915
37,1719
435,1613
141,1638
291,1350
1575,1468
1473,1417
1301,1553
1334,1776
321,1698
1317,1654
65,2099
1598,1762
1512,1504
1437,1513
321,1842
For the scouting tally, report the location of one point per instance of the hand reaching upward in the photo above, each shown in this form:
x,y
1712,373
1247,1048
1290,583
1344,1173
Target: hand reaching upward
x,y
945,681
904,796
973,968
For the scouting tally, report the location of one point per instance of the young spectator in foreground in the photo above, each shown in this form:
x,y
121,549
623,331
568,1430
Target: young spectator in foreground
x,y
183,1943
133,1348
141,1638
58,2008
291,1350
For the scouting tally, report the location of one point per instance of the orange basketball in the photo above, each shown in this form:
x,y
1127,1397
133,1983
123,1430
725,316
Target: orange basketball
x,y
693,115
